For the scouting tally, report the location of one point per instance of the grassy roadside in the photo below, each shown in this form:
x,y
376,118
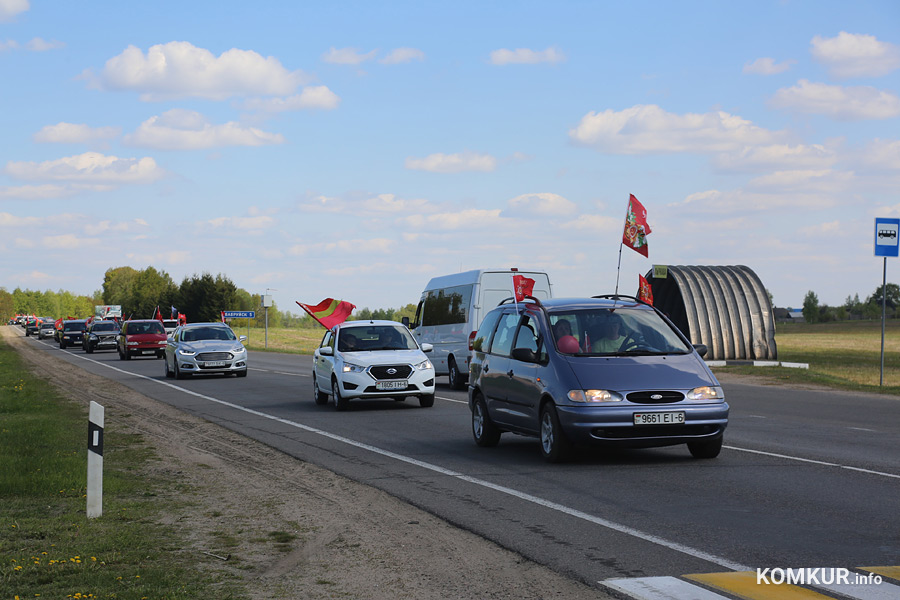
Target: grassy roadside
x,y
48,548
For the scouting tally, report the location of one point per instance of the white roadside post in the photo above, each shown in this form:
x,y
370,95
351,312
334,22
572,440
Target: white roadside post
x,y
95,461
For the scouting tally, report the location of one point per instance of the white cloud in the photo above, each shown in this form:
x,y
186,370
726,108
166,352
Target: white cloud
x,y
525,56
179,70
11,220
856,55
543,205
245,223
347,56
364,205
40,45
90,167
389,203
773,156
170,257
9,9
837,102
825,180
767,66
453,163
345,247
34,192
827,231
180,129
469,219
8,45
738,201
648,129
68,241
595,223
882,154
402,55
311,97
74,133
113,227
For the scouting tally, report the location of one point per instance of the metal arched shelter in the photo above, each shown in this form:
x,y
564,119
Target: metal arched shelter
x,y
724,307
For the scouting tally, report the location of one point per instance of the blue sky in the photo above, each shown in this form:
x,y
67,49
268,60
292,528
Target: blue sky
x,y
355,150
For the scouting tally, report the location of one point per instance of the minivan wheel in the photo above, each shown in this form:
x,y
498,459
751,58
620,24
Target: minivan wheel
x,y
340,403
456,379
554,445
706,449
484,431
320,398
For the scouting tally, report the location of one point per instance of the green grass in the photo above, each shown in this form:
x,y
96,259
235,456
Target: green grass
x,y
48,547
292,341
843,355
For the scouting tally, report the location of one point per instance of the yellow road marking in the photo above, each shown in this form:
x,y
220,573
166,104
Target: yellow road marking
x,y
744,585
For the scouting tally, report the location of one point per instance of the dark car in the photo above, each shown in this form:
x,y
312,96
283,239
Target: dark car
x,y
592,371
141,337
71,333
32,325
101,335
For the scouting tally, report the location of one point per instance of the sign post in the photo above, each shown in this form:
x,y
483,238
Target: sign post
x,y
240,314
95,461
887,236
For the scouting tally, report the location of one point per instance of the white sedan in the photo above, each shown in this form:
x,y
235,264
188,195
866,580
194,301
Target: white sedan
x,y
366,359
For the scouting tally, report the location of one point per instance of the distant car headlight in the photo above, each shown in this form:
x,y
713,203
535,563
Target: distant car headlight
x,y
424,365
351,368
184,352
706,393
594,396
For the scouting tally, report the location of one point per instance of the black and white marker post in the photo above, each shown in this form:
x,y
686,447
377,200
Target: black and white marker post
x,y
95,461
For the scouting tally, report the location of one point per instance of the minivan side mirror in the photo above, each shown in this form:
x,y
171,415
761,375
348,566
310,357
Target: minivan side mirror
x,y
524,355
701,349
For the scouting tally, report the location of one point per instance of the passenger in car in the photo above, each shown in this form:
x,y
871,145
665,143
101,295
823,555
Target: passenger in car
x,y
348,343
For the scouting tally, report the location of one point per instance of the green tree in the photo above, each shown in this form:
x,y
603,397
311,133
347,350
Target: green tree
x,y
891,298
151,288
7,310
811,307
202,297
117,287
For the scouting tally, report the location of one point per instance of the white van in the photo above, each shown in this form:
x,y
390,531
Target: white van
x,y
451,309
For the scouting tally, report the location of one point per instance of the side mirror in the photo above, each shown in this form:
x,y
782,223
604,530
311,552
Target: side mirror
x,y
405,321
427,347
326,351
243,338
701,349
524,355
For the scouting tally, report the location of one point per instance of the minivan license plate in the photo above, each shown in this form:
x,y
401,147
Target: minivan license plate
x,y
391,385
659,418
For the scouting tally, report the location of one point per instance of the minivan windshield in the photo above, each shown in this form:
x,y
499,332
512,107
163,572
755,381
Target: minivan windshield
x,y
614,331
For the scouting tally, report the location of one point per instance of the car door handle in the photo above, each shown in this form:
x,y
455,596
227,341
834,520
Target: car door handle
x,y
510,373
486,368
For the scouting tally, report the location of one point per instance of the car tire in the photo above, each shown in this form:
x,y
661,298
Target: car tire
x,y
88,349
242,373
426,400
178,373
454,376
169,374
121,356
320,398
340,403
127,355
555,447
486,434
62,345
160,354
706,449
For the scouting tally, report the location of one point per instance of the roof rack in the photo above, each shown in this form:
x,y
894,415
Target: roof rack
x,y
620,297
513,299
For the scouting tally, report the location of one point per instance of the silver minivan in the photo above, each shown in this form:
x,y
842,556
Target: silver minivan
x,y
607,371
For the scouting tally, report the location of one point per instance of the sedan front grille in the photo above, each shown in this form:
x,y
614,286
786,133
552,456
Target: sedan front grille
x,y
215,356
383,371
655,397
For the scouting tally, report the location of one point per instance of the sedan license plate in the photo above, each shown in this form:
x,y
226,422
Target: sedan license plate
x,y
659,418
215,363
391,385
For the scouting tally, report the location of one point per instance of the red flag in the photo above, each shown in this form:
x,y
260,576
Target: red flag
x,y
159,315
522,286
182,319
645,292
636,228
329,312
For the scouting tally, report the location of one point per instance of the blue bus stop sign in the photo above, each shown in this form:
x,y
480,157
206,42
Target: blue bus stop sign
x,y
887,236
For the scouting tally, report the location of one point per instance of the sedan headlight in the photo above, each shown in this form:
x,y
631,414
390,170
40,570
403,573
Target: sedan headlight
x,y
425,365
594,396
184,352
237,350
706,393
351,368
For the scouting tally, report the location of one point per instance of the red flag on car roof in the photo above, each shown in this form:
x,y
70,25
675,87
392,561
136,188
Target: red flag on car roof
x,y
636,227
329,312
522,286
645,292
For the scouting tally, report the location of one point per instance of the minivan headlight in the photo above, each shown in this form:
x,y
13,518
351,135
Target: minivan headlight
x,y
594,396
706,393
351,368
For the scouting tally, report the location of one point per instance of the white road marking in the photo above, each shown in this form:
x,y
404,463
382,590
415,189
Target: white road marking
x,y
862,429
815,462
660,588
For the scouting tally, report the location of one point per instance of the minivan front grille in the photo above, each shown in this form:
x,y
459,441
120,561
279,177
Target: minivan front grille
x,y
383,371
655,397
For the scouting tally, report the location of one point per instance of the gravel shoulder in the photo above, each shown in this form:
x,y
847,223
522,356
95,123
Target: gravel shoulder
x,y
351,540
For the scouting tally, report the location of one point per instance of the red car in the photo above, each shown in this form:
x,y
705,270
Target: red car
x,y
141,337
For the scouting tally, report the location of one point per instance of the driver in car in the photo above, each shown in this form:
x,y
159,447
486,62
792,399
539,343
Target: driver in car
x,y
610,339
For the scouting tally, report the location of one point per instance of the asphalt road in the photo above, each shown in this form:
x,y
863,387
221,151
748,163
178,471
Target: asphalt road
x,y
806,478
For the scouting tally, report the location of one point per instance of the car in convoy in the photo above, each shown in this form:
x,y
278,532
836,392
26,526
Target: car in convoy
x,y
141,337
169,325
205,348
32,325
606,370
47,328
101,335
371,359
71,333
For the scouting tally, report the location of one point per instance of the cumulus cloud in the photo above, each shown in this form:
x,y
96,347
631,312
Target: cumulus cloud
x,y
180,70
68,241
244,223
856,55
180,129
775,156
347,56
473,218
312,97
106,226
41,45
34,192
74,133
89,168
8,45
882,154
543,205
594,223
525,56
363,204
402,55
160,258
837,102
648,129
822,180
453,163
767,66
9,9
347,246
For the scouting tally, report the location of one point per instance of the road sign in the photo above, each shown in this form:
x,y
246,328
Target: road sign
x,y
887,236
239,314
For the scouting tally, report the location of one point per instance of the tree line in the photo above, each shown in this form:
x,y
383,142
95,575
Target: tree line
x,y
140,291
853,308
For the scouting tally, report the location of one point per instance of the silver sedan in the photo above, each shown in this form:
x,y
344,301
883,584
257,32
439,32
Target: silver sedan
x,y
205,348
